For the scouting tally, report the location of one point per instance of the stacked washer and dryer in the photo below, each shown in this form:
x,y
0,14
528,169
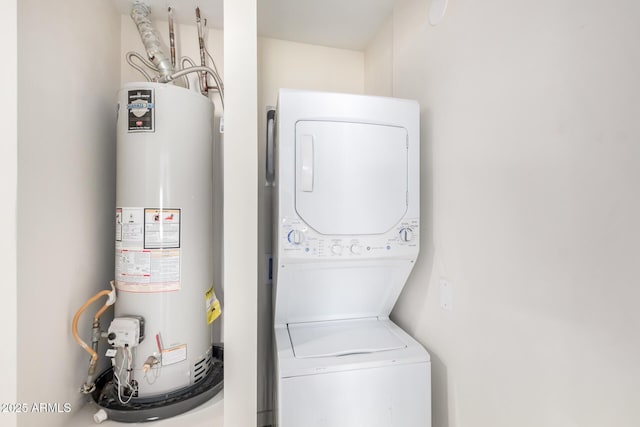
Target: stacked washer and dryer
x,y
346,237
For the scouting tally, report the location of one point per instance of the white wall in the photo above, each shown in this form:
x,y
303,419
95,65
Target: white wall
x,y
303,66
240,213
8,193
68,76
285,64
530,209
378,61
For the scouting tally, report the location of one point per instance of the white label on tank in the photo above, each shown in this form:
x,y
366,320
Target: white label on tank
x,y
174,355
131,227
148,270
148,252
118,224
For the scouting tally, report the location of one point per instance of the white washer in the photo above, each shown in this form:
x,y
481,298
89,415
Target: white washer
x,y
346,237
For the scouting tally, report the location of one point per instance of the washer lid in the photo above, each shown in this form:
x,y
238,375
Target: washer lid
x,y
342,337
351,178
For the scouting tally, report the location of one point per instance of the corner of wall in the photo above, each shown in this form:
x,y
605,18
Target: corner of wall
x,y
8,217
378,61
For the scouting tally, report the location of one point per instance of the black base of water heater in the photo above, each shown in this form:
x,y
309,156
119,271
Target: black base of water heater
x,y
159,407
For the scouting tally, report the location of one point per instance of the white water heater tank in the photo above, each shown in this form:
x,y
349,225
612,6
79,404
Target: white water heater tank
x,y
164,237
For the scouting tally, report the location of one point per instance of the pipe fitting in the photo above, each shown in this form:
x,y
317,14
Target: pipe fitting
x,y
100,416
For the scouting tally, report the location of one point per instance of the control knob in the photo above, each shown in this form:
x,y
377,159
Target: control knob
x,y
406,234
295,236
356,249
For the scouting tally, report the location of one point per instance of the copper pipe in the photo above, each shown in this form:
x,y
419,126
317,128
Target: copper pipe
x,y
204,86
172,39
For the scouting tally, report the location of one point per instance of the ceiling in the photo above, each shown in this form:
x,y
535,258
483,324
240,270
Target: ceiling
x,y
347,24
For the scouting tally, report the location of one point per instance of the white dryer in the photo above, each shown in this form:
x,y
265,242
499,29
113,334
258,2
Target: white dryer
x,y
346,237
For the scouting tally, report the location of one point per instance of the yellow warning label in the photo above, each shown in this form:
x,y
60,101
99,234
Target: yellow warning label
x,y
212,305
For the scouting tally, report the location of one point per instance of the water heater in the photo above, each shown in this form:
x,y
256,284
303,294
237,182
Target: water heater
x,y
163,361
163,239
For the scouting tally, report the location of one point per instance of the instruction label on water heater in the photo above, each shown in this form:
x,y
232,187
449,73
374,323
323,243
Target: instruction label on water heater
x,y
141,110
148,249
161,228
174,355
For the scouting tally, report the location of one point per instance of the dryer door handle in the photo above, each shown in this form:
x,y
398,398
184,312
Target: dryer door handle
x,y
306,162
270,172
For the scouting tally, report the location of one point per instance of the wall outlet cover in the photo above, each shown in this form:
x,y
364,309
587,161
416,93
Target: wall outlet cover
x,y
446,295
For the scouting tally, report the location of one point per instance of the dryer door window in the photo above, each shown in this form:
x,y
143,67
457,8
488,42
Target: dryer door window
x,y
351,178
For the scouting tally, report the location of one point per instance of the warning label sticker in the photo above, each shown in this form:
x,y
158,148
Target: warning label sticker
x,y
174,355
212,305
130,227
148,270
148,252
118,224
161,228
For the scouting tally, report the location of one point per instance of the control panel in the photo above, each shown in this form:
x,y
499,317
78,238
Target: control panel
x,y
298,240
126,331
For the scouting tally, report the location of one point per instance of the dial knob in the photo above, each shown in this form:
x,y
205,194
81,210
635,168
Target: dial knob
x,y
295,236
336,249
356,249
406,234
